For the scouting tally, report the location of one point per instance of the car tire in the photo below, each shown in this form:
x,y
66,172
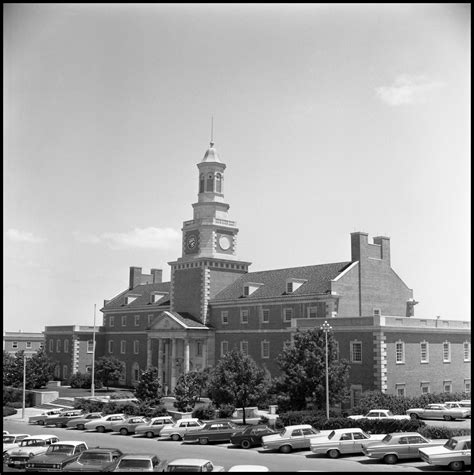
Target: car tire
x,y
203,440
58,425
448,418
175,437
124,431
80,426
285,449
100,429
150,434
333,453
390,459
41,423
414,416
456,466
245,444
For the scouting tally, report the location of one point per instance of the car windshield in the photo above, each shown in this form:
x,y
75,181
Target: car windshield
x,y
34,442
134,463
61,449
387,438
184,468
95,456
8,440
451,444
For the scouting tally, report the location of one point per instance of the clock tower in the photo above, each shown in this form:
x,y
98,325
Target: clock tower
x,y
208,262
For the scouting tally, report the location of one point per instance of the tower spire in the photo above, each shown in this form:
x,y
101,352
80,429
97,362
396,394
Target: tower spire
x,y
212,130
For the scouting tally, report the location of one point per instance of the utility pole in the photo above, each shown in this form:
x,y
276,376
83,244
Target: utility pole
x,y
93,357
325,327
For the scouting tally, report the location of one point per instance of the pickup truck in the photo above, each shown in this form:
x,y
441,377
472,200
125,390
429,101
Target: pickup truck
x,y
380,414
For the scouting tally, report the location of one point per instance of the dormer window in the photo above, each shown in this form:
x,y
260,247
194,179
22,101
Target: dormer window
x,y
130,298
250,287
294,284
156,296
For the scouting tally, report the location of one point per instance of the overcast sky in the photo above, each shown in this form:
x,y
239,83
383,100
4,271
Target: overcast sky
x,y
331,119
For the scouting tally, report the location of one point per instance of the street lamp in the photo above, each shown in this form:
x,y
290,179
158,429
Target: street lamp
x,y
24,385
325,327
93,358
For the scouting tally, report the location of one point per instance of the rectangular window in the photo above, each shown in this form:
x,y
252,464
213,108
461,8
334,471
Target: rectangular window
x,y
246,291
447,386
287,314
425,388
124,320
14,345
265,315
136,347
467,386
336,350
198,348
244,316
224,348
377,312
446,352
424,352
400,389
64,371
356,394
317,311
225,317
51,345
28,345
111,346
467,351
66,346
289,287
58,346
312,312
244,347
123,346
88,369
400,352
356,352
111,321
90,346
137,320
265,349
150,318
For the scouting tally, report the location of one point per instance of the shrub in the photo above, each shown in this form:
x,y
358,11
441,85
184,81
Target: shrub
x,y
8,411
205,413
147,409
442,432
16,395
88,405
83,381
226,410
16,405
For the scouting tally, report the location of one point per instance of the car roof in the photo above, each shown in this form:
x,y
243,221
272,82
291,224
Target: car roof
x,y
300,426
189,461
68,442
404,433
17,434
348,429
40,436
138,456
102,449
461,438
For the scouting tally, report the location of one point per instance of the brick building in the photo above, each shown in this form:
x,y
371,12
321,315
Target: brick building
x,y
18,341
213,304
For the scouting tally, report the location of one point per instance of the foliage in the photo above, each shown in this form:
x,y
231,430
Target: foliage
x,y
226,410
149,387
39,369
189,389
89,405
108,369
147,409
8,411
236,379
205,413
15,404
16,395
303,367
80,380
122,395
442,432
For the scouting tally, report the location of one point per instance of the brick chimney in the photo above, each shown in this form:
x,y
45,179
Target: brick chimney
x,y
359,246
157,275
384,243
135,277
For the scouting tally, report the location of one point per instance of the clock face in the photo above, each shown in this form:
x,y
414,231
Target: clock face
x,y
191,241
224,243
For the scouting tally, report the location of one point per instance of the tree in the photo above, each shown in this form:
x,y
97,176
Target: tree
x,y
303,370
188,389
149,387
39,369
12,376
108,369
238,380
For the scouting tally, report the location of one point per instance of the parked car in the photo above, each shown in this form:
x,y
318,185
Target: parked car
x,y
153,427
5,432
291,438
251,436
94,460
213,431
248,468
79,422
342,441
11,441
61,419
438,411
57,456
459,405
380,414
139,463
193,465
128,425
181,427
454,454
399,446
104,423
40,418
29,447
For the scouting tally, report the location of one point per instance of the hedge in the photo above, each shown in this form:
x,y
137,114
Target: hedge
x,y
15,395
442,432
8,411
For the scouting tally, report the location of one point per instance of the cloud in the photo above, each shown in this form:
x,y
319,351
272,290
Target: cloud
x,y
23,236
407,89
148,238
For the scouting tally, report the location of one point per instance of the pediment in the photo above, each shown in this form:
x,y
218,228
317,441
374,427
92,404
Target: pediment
x,y
166,321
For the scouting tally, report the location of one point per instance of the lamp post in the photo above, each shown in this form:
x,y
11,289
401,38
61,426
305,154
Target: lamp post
x,y
93,358
325,327
24,386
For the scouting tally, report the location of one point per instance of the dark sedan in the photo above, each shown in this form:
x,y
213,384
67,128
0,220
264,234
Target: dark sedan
x,y
251,436
213,431
94,460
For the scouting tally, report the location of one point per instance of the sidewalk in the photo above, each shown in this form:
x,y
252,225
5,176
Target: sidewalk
x,y
29,412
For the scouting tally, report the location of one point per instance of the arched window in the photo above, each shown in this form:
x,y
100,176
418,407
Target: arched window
x,y
210,182
135,372
201,183
218,183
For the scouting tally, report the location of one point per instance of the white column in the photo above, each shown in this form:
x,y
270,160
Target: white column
x,y
204,354
173,364
148,351
160,361
166,344
186,356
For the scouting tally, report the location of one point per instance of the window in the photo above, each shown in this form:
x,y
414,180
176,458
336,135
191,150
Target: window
x,y
425,388
289,287
224,348
356,393
446,352
287,314
199,348
265,315
224,317
467,386
356,351
111,346
318,310
123,346
89,369
246,291
400,352
150,317
64,371
15,345
244,347
377,312
111,321
336,350
424,352
124,320
57,371
90,346
467,351
137,320
135,372
265,349
400,389
58,346
51,345
28,345
218,183
210,182
312,312
447,386
244,316
201,183
136,347
66,346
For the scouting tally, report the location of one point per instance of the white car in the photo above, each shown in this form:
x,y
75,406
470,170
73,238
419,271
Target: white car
x,y
29,447
193,465
104,423
455,453
292,437
379,414
181,427
248,468
11,441
459,405
154,426
343,441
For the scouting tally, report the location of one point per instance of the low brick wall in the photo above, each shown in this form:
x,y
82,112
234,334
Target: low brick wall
x,y
43,397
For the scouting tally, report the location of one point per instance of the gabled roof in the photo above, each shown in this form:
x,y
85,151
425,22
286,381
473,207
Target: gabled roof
x,y
318,281
186,319
143,293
